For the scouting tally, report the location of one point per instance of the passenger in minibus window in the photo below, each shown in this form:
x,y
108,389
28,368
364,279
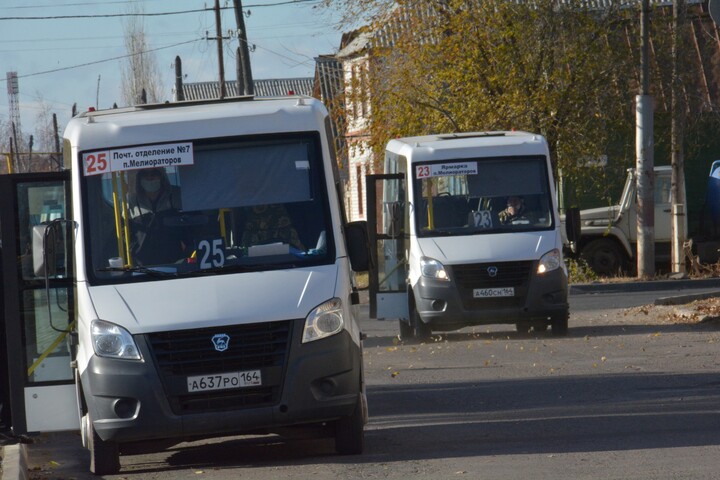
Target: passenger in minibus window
x,y
270,223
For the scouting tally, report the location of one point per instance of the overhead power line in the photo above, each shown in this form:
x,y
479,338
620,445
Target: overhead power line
x,y
102,61
157,14
105,15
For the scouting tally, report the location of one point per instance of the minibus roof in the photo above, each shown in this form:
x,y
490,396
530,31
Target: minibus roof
x,y
467,145
156,123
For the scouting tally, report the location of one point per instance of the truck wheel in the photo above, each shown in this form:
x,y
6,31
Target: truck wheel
x,y
603,256
104,456
349,431
560,324
407,332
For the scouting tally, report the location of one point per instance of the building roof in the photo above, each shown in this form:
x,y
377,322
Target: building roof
x,y
275,87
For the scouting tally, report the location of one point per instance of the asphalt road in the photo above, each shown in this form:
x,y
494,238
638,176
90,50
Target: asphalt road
x,y
627,395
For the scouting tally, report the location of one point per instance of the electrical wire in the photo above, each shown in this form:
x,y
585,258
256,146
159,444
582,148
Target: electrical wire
x,y
157,14
103,61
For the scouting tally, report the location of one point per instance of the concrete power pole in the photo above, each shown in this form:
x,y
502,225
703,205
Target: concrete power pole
x,y
221,63
678,198
645,161
244,72
180,92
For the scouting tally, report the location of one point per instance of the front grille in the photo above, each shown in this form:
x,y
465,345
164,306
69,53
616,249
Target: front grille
x,y
260,346
477,275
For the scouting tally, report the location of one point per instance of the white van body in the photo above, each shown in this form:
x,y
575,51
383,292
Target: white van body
x,y
213,330
455,264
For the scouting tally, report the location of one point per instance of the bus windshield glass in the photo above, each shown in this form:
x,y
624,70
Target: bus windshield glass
x,y
488,195
191,208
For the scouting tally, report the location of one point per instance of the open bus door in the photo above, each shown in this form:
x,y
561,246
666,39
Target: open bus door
x,y
36,317
388,234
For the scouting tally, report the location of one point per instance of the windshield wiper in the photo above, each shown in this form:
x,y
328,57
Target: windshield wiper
x,y
442,233
139,269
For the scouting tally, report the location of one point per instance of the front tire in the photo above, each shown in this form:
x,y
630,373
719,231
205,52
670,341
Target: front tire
x,y
104,455
604,256
560,324
349,431
523,328
423,331
407,332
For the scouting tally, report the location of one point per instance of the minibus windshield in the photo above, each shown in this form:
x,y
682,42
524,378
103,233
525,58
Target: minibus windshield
x,y
193,208
487,195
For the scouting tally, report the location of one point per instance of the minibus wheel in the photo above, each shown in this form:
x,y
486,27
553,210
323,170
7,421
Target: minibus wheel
x,y
423,331
349,431
407,332
560,323
104,456
522,327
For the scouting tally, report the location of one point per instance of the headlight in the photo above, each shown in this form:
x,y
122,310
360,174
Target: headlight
x,y
324,321
110,340
429,267
549,262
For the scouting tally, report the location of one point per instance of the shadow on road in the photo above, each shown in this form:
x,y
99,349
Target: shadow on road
x,y
495,418
574,332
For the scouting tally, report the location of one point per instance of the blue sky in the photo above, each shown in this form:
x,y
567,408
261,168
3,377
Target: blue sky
x,y
287,36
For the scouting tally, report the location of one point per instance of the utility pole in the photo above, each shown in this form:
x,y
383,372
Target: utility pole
x,y
178,80
58,161
244,71
97,95
218,34
645,161
677,189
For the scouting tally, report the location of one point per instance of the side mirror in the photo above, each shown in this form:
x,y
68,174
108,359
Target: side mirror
x,y
358,245
393,219
572,225
49,241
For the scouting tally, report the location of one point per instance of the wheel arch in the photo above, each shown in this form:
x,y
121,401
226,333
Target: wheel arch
x,y
614,234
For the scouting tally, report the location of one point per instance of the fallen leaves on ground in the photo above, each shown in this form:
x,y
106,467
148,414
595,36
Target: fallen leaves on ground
x,y
705,310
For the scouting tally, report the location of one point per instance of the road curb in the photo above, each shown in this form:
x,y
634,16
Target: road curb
x,y
644,286
683,299
14,462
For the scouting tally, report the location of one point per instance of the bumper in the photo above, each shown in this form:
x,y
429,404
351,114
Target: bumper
x,y
131,401
450,305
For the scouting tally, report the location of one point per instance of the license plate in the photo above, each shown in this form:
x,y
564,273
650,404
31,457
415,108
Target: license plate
x,y
494,292
224,381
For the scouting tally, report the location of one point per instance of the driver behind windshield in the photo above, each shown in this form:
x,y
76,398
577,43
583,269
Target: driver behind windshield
x,y
153,242
515,210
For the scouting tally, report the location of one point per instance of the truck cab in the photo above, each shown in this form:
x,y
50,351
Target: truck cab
x,y
608,241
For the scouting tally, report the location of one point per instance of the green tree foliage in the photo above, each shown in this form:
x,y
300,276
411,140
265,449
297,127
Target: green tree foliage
x,y
548,67
567,69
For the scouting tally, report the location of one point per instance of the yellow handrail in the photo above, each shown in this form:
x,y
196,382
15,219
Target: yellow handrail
x,y
49,350
126,213
118,226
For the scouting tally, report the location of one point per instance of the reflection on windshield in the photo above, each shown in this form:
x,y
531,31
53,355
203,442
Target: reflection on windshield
x,y
482,196
235,207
